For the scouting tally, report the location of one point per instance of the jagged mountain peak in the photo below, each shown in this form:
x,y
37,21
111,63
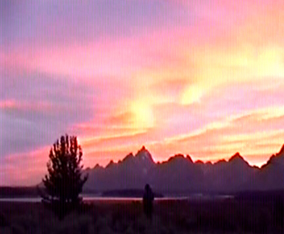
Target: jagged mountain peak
x,y
142,150
221,161
128,157
236,157
97,166
180,157
277,159
144,155
111,163
176,157
281,152
189,158
199,162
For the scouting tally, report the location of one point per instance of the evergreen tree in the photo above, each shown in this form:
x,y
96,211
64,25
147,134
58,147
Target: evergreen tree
x,y
64,181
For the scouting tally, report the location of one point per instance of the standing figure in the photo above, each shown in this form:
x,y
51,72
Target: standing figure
x,y
148,199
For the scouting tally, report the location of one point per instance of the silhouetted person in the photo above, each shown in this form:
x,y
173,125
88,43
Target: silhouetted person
x,y
148,199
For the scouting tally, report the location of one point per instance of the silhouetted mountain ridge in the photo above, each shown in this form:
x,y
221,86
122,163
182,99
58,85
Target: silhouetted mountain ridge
x,y
180,173
271,175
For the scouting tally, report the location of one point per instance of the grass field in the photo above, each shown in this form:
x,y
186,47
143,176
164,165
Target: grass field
x,y
228,216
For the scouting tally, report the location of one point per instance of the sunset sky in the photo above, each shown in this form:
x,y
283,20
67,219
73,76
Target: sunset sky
x,y
204,78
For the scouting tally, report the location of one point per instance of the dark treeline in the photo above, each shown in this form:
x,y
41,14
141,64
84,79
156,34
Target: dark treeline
x,y
15,192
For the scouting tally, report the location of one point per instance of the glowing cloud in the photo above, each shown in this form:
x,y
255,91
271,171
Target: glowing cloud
x,y
204,78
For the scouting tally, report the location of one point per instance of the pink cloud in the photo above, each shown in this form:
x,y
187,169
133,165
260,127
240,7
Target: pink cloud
x,y
206,80
32,106
25,168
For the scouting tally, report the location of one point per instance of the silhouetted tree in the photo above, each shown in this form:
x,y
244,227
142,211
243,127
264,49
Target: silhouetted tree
x,y
64,181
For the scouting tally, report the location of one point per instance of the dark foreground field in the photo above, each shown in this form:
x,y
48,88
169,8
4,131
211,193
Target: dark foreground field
x,y
228,216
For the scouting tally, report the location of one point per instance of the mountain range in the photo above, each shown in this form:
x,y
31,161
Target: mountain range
x,y
180,174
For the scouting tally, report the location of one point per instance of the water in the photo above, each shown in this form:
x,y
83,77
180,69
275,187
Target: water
x,y
92,198
88,199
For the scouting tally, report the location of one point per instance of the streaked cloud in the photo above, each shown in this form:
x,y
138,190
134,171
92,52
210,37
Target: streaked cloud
x,y
202,78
